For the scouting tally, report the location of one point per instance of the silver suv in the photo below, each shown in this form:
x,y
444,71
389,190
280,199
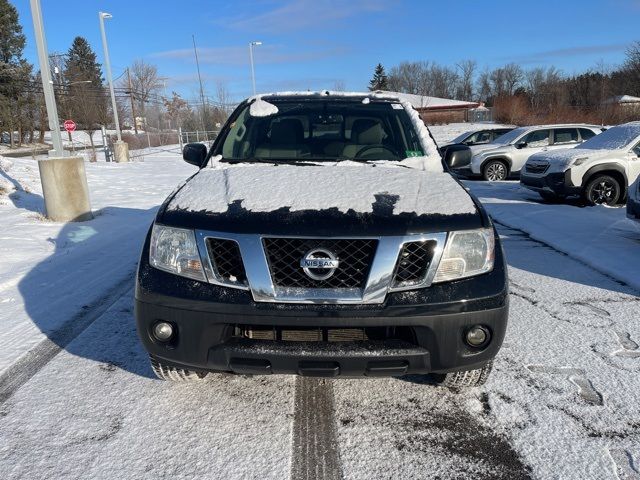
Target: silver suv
x,y
506,155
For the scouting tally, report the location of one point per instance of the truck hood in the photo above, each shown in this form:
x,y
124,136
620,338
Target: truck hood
x,y
321,200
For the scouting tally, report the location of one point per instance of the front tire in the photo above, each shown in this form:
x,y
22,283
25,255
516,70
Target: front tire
x,y
602,190
174,374
466,378
495,171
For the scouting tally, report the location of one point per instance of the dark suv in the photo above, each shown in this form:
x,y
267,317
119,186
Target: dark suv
x,y
322,235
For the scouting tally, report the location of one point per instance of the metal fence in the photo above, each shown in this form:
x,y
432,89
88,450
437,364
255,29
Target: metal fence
x,y
198,136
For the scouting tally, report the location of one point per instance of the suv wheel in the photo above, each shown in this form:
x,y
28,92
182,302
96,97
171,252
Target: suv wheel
x,y
467,378
602,190
495,171
174,374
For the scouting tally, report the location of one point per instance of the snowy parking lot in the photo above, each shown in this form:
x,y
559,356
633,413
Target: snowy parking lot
x,y
79,400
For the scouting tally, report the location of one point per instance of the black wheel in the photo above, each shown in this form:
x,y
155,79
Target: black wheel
x,y
551,197
495,171
174,374
467,378
602,190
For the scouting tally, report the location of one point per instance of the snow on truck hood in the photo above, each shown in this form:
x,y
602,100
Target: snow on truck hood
x,y
564,157
266,188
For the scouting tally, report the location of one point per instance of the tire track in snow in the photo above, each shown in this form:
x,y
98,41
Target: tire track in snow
x,y
21,371
315,444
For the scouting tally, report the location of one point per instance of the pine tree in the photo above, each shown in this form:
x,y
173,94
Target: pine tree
x,y
380,80
15,73
87,101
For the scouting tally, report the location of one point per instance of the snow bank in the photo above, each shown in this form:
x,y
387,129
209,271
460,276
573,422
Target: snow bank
x,y
264,188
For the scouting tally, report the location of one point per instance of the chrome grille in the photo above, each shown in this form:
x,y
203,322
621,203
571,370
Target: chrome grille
x,y
284,255
413,263
536,167
227,261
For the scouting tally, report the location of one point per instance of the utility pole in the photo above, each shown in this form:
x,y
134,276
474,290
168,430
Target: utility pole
x,y
195,50
133,109
47,82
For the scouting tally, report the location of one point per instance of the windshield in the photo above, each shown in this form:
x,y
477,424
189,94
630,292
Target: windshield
x,y
461,138
290,130
510,137
622,136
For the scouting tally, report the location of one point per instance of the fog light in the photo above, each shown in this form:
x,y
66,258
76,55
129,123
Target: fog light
x,y
477,336
163,331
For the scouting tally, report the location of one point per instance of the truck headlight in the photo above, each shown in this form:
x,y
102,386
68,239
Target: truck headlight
x,y
467,253
174,250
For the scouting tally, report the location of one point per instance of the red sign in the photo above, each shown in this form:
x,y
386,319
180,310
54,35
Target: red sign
x,y
70,125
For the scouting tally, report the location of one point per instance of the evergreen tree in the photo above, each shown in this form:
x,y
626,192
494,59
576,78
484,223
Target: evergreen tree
x,y
379,80
87,101
15,74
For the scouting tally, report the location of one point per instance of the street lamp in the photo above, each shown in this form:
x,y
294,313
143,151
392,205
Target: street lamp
x,y
253,72
45,73
107,64
122,150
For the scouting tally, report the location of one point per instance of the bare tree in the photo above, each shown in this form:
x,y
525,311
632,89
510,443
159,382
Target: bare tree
x,y
339,85
513,76
145,82
467,73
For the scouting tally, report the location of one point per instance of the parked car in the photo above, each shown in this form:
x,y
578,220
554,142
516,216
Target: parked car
x,y
506,156
478,137
599,169
633,200
5,138
322,236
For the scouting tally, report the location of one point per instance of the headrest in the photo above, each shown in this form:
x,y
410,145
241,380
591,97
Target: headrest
x,y
366,131
287,131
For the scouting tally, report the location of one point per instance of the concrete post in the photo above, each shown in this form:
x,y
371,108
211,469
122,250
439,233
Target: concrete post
x,y
121,151
65,190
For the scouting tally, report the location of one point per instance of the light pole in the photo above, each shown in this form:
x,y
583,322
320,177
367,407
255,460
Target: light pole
x,y
253,71
64,181
121,148
47,82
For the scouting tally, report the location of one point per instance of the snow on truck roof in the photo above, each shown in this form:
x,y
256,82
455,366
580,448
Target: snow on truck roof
x,y
416,101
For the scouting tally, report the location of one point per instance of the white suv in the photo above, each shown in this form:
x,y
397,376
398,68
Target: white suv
x,y
599,170
506,155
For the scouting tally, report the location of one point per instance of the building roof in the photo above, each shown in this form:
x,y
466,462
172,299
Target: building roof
x,y
623,99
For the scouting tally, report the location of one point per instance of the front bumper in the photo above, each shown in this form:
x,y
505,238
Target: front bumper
x,y
558,183
207,318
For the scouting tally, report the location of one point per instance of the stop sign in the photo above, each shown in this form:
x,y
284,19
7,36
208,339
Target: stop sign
x,y
70,125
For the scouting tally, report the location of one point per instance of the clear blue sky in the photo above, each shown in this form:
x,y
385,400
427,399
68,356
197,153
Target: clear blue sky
x,y
311,44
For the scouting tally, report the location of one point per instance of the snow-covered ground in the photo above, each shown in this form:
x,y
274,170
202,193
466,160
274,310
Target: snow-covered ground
x,y
561,403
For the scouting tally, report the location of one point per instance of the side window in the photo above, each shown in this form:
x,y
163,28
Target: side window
x,y
586,134
565,135
539,138
483,137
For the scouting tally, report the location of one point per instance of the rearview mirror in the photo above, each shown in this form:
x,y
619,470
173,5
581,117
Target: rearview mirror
x,y
194,153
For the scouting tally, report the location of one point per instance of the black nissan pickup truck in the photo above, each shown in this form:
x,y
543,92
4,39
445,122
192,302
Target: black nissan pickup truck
x,y
323,235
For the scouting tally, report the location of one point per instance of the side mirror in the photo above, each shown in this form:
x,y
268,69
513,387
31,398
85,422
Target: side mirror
x,y
521,144
194,153
457,156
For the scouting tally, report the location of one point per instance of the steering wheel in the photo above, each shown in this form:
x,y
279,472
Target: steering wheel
x,y
370,147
